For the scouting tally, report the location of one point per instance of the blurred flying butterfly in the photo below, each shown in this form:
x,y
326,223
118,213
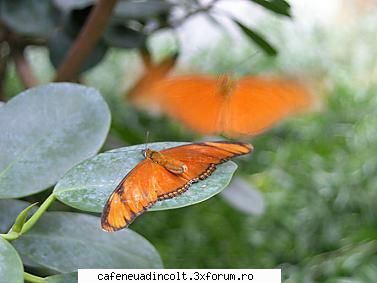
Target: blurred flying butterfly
x,y
162,175
222,105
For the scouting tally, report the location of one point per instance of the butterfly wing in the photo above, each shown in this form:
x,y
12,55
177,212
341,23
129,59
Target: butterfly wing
x,y
201,158
149,181
139,190
141,94
192,100
258,103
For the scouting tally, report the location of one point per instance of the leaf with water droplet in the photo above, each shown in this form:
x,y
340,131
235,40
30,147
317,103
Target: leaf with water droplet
x,y
88,185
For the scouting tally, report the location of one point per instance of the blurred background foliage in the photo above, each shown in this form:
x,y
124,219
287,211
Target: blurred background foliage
x,y
317,173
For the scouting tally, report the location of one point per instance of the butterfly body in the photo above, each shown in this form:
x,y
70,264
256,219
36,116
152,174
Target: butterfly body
x,y
170,164
225,85
162,175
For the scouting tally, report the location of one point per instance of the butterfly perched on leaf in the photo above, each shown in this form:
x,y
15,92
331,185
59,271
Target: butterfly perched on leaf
x,y
162,175
212,105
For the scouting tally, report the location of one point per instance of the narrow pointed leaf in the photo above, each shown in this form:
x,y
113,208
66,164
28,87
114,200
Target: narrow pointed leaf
x,y
281,7
21,218
9,209
257,39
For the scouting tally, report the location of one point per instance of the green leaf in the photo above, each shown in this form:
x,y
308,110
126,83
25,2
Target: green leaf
x,y
141,10
121,36
257,39
11,268
281,7
68,5
244,197
21,218
45,131
31,17
59,44
9,209
64,242
63,278
88,185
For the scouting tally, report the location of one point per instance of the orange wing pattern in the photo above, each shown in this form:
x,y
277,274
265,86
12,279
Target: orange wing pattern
x,y
235,108
141,93
256,104
191,100
149,182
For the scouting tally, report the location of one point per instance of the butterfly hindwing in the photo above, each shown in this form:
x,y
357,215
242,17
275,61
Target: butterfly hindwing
x,y
149,182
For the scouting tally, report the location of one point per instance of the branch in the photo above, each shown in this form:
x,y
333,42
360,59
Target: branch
x,y
146,57
199,10
4,56
23,69
87,39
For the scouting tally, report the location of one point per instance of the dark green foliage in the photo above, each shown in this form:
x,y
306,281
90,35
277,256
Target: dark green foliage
x,y
257,39
57,23
281,7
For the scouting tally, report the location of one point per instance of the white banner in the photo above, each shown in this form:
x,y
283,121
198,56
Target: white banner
x,y
179,275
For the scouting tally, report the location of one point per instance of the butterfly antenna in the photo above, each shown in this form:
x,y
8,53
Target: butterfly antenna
x,y
146,139
244,60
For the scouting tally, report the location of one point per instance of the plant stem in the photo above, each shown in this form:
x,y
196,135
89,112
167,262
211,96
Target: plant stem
x,y
146,57
10,236
4,56
33,278
88,37
42,209
23,68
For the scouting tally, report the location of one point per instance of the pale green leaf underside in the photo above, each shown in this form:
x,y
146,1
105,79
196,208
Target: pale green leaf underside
x,y
45,131
88,185
11,268
64,242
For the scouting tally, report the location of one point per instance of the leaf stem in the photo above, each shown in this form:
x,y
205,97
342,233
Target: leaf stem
x,y
33,278
13,235
10,236
88,37
42,209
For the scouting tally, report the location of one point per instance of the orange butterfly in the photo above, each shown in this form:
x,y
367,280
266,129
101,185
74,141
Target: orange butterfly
x,y
162,175
223,105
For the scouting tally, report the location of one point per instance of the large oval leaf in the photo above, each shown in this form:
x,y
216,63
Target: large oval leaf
x,y
88,185
32,17
11,268
68,5
45,131
64,242
121,36
244,197
59,44
126,10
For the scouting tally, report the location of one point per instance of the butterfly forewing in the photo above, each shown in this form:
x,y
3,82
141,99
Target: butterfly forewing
x,y
149,182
